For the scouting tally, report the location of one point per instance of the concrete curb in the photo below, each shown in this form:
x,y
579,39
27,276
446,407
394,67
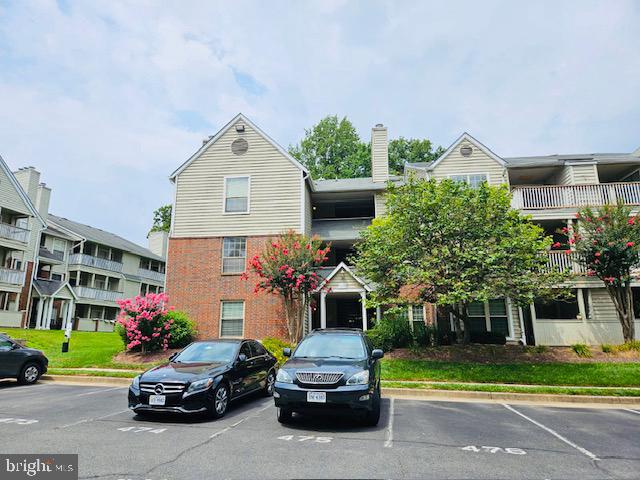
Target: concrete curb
x,y
501,397
87,380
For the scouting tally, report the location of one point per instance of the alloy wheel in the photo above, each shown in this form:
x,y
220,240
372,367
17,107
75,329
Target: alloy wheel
x,y
221,400
31,374
271,380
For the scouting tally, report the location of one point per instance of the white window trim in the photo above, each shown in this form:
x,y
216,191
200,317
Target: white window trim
x,y
224,195
244,307
488,177
244,265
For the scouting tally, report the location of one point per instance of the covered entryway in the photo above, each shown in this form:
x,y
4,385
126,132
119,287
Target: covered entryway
x,y
52,305
339,300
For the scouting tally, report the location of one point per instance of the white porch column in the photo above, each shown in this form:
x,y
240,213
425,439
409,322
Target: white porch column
x,y
378,313
47,324
323,309
39,314
309,318
363,299
69,318
65,306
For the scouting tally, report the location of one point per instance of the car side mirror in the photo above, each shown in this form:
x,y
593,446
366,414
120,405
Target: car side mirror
x,y
286,352
242,358
377,354
15,346
173,356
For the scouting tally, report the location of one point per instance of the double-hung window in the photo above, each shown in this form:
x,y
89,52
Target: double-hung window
x,y
236,194
473,179
234,253
232,319
491,316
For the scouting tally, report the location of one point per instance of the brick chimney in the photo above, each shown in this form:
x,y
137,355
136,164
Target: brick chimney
x,y
379,153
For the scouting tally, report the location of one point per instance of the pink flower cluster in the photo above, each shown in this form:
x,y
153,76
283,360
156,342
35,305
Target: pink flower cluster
x,y
143,319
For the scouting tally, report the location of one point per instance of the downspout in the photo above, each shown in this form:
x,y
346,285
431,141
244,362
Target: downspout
x,y
36,264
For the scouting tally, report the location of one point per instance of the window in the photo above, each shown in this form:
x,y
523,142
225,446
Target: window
x,y
245,349
473,179
258,349
417,314
59,246
498,316
5,344
56,276
236,194
566,309
234,252
491,316
477,318
232,319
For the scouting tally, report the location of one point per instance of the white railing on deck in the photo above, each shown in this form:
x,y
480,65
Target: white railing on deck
x,y
97,294
13,277
97,262
14,233
563,196
151,274
560,261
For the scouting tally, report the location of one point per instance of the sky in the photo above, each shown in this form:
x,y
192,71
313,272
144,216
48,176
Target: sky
x,y
107,98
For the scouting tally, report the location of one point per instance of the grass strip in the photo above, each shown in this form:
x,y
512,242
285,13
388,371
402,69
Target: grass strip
x,y
91,373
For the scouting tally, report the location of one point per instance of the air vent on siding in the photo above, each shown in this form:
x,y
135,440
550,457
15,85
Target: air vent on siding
x,y
466,151
239,146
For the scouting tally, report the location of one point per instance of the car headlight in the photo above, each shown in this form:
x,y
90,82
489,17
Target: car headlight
x,y
135,384
200,385
283,377
360,378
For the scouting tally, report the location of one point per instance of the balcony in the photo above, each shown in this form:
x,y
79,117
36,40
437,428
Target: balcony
x,y
559,260
48,254
12,232
12,277
151,275
96,262
98,294
332,229
545,197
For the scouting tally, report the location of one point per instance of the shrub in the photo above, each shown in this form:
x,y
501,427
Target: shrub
x,y
488,338
445,337
606,348
424,335
581,350
392,331
275,346
628,346
183,330
142,319
536,349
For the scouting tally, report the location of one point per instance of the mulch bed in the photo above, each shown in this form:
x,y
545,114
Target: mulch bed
x,y
510,354
137,357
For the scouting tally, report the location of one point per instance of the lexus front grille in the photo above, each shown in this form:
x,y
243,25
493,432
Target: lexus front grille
x,y
319,378
162,388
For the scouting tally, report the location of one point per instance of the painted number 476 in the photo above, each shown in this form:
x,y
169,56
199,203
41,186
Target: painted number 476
x,y
483,449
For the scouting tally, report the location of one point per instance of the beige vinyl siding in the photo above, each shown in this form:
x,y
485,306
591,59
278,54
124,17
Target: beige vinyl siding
x,y
344,281
602,308
380,206
584,174
565,177
478,162
379,155
514,317
275,190
10,198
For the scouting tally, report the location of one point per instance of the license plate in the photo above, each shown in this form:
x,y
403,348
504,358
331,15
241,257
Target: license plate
x,y
156,399
317,397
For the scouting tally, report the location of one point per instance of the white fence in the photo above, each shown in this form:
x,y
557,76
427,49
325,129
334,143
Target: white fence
x,y
563,196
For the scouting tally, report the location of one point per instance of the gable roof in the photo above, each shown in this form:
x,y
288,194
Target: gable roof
x,y
104,238
23,195
50,288
224,130
338,268
465,137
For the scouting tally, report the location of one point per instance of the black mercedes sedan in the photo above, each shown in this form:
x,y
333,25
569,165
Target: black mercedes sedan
x,y
204,377
22,363
331,370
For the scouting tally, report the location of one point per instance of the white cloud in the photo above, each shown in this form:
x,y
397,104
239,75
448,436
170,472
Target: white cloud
x,y
107,97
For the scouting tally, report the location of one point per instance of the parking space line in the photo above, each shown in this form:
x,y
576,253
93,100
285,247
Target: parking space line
x,y
86,420
233,425
632,411
100,391
582,450
389,441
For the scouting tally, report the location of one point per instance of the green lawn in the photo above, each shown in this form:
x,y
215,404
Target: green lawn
x,y
86,349
579,374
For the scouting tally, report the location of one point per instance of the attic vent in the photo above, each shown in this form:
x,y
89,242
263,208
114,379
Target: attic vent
x,y
466,151
239,146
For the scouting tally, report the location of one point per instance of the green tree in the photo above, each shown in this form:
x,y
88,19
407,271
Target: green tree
x,y
411,150
162,219
608,241
450,244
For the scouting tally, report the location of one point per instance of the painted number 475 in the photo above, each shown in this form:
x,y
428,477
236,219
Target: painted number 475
x,y
306,438
483,449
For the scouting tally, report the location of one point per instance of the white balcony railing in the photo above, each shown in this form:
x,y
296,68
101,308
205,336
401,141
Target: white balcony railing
x,y
150,274
98,294
574,196
14,233
91,261
13,277
559,260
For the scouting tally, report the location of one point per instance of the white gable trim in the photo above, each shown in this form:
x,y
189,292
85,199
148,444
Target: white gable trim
x,y
65,284
23,195
343,266
222,131
468,138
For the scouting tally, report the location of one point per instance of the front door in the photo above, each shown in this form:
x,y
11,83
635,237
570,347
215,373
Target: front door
x,y
348,313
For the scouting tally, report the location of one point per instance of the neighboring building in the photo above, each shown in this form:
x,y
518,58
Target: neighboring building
x,y
240,188
71,272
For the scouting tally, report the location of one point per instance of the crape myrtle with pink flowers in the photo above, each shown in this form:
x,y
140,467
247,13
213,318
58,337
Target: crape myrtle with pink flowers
x,y
145,322
287,267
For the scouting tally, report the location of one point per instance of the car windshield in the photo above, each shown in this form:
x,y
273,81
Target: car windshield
x,y
331,346
206,352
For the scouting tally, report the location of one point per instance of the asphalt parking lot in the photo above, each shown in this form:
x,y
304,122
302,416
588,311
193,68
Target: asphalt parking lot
x,y
414,439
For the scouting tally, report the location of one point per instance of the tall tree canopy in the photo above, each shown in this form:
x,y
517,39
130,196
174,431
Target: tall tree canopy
x,y
333,149
162,219
451,244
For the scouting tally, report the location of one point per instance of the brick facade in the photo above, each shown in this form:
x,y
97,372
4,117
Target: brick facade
x,y
195,284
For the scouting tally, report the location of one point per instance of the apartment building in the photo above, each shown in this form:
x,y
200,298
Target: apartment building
x,y
74,273
241,188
